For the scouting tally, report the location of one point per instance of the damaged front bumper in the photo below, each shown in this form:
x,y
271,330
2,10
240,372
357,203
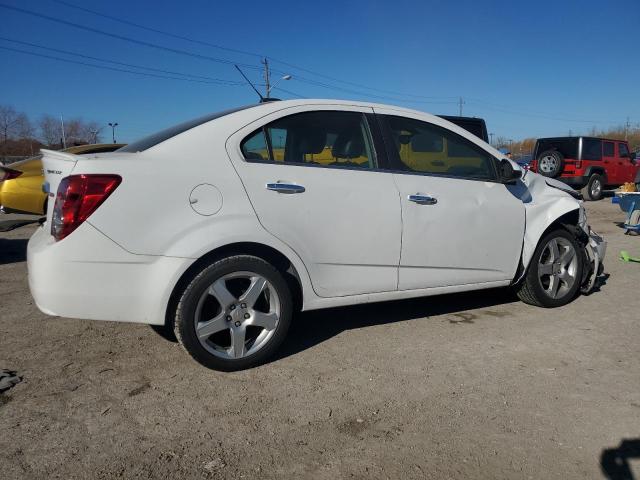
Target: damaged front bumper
x,y
595,248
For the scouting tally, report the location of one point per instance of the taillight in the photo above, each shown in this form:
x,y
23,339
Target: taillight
x,y
78,197
8,174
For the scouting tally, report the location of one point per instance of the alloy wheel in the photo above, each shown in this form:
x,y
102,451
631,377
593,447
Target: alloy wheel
x,y
558,267
237,315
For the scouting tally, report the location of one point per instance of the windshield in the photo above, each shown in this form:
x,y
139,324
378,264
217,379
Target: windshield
x,y
159,137
568,147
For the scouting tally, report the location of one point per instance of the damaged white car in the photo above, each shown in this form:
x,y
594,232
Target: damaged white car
x,y
221,227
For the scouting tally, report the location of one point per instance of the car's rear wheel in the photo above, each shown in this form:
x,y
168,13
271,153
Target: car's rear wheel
x,y
593,190
550,163
234,314
555,271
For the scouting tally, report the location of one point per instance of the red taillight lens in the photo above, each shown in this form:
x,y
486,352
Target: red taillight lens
x,y
8,174
78,197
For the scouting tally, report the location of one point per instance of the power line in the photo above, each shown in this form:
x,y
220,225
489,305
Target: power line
x,y
155,30
105,67
524,113
244,52
127,39
66,52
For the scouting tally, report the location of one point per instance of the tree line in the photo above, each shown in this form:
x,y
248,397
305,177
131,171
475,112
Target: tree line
x,y
23,136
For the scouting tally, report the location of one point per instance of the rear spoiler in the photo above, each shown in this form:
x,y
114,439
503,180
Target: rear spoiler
x,y
69,157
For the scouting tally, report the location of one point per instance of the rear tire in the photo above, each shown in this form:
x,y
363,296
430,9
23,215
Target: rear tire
x,y
593,190
555,271
234,314
550,163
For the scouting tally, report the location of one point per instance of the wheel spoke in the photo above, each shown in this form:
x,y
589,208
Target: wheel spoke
x,y
267,321
250,297
545,268
237,342
220,292
208,328
553,248
567,257
566,278
554,285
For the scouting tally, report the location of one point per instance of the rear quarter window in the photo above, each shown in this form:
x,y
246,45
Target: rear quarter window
x,y
591,149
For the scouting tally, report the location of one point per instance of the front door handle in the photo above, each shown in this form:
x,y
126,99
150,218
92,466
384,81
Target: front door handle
x,y
285,187
422,199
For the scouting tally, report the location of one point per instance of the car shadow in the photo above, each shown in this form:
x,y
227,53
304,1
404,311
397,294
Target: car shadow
x,y
13,250
615,462
312,328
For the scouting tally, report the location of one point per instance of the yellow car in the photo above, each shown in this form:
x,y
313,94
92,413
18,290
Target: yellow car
x,y
21,183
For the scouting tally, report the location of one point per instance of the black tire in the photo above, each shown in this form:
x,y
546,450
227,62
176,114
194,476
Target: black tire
x,y
531,290
185,318
593,190
550,163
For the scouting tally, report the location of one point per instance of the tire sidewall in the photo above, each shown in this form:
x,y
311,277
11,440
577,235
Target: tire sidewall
x,y
532,274
185,314
593,178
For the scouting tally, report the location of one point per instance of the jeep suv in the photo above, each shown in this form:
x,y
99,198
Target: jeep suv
x,y
587,163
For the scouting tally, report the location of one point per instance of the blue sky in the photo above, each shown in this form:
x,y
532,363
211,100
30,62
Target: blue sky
x,y
529,68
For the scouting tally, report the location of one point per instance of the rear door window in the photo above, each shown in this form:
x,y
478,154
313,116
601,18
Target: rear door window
x,y
591,149
608,149
322,138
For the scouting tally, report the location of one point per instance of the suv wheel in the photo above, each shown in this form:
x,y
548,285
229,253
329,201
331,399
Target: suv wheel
x,y
550,163
594,187
234,314
555,271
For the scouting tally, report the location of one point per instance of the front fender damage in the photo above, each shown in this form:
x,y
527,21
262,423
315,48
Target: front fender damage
x,y
547,202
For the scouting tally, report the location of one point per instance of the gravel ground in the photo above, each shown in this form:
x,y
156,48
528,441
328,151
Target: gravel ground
x,y
459,386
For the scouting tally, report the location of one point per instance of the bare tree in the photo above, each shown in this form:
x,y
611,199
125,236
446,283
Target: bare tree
x,y
50,131
11,122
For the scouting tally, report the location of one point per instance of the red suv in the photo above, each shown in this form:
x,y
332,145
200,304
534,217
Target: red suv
x,y
587,163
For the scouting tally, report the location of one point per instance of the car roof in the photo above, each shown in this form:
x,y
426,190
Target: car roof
x,y
583,136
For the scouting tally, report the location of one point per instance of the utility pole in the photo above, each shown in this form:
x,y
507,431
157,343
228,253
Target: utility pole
x,y
461,103
491,137
626,129
94,135
113,130
64,138
267,81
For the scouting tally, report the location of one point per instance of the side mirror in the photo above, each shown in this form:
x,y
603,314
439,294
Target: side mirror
x,y
507,173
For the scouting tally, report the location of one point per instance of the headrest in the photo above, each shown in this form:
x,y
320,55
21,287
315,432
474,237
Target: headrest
x,y
348,146
426,142
312,141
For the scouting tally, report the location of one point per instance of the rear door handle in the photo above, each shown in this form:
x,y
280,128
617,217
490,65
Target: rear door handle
x,y
285,187
422,199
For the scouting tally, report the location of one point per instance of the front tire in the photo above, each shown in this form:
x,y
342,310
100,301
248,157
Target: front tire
x,y
234,314
555,271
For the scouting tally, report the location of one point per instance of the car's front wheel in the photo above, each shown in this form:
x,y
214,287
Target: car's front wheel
x,y
555,271
234,314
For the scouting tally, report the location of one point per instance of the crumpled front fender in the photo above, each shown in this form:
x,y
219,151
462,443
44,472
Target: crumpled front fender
x,y
545,201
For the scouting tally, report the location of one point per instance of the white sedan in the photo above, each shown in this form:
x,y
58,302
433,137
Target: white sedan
x,y
221,227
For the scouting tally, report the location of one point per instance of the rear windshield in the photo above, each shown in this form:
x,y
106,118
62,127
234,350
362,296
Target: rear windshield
x,y
159,137
568,147
476,126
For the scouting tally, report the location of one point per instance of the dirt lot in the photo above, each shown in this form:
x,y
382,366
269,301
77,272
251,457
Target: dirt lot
x,y
462,386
